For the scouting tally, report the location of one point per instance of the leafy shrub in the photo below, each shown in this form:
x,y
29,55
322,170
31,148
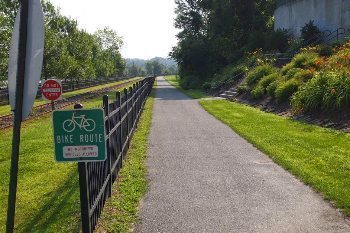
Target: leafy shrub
x,y
291,73
309,97
190,82
255,75
206,86
302,60
258,92
310,32
270,89
276,40
303,75
337,93
267,80
286,89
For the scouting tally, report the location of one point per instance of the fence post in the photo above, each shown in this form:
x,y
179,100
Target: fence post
x,y
120,131
132,91
84,192
108,143
127,113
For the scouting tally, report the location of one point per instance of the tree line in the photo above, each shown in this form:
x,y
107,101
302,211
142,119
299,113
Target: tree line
x,y
217,33
69,52
155,66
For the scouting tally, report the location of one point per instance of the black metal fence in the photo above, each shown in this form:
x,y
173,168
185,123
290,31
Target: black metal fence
x,y
96,178
68,85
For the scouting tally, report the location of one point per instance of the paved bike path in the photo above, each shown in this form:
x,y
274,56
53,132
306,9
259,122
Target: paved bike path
x,y
206,178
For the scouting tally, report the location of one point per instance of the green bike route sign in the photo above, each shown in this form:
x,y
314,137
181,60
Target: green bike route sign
x,y
79,135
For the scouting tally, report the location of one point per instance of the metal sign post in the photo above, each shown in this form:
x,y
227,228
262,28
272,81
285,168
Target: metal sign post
x,y
21,65
25,66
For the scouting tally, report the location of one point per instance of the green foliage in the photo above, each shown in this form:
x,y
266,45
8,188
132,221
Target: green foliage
x,y
328,91
213,35
285,90
302,60
310,32
258,92
227,76
69,51
255,75
269,41
263,85
291,72
270,89
303,75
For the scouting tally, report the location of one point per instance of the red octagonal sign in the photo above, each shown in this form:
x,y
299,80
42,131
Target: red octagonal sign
x,y
51,89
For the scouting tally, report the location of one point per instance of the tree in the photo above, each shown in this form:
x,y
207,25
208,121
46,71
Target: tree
x,y
214,34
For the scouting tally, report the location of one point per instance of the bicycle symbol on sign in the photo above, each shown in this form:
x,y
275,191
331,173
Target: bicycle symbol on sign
x,y
81,121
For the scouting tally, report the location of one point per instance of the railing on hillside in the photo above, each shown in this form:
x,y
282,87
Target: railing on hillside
x,y
96,178
68,86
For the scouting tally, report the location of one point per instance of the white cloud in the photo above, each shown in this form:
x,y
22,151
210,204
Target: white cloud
x,y
147,26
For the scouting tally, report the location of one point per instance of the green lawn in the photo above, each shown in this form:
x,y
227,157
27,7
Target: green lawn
x,y
319,157
48,193
193,93
5,109
121,210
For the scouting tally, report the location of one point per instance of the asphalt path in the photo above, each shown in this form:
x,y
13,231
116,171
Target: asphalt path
x,y
206,178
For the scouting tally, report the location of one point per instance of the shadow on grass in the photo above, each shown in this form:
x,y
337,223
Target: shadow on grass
x,y
58,210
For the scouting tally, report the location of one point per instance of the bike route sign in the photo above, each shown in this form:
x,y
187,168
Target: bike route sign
x,y
79,135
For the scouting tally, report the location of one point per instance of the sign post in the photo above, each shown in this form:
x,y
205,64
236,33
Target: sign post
x,y
79,135
24,72
51,89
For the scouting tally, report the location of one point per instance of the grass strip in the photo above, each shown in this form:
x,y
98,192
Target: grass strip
x,y
48,192
6,109
193,93
120,212
318,156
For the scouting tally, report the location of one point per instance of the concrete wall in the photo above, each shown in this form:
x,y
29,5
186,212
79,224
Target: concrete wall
x,y
327,14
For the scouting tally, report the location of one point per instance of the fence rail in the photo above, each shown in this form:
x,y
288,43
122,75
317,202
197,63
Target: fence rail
x,y
96,178
67,86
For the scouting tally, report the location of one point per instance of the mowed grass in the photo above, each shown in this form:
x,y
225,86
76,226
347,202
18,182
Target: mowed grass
x,y
193,93
120,212
319,157
5,109
48,192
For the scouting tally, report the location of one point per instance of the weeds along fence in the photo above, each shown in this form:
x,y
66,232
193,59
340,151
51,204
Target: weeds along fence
x,y
68,85
96,178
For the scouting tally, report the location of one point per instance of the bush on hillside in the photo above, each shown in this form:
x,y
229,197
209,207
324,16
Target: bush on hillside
x,y
303,75
286,89
302,60
309,97
326,91
267,80
255,75
270,89
258,92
